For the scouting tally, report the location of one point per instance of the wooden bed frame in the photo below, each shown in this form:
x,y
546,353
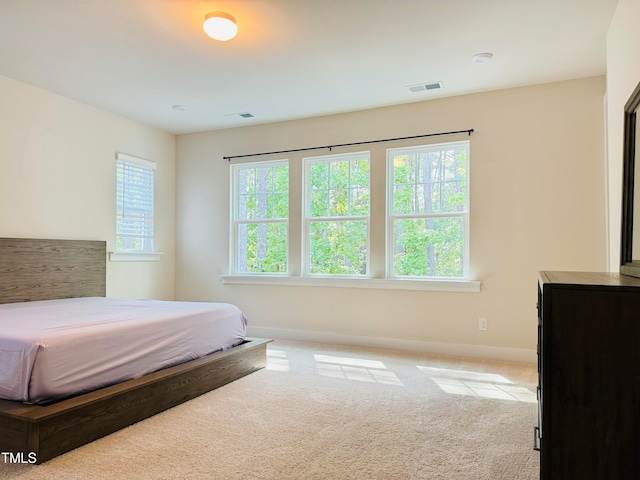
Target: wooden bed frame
x,y
34,269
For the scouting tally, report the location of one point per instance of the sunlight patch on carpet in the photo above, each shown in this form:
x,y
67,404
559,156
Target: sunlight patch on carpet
x,y
354,362
277,360
359,369
478,384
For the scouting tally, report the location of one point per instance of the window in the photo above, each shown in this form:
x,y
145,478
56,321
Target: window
x,y
260,217
134,204
413,236
428,211
336,211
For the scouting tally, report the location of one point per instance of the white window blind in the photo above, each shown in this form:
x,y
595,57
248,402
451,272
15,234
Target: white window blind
x,y
134,204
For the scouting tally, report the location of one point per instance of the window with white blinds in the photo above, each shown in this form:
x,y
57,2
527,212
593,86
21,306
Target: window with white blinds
x,y
134,204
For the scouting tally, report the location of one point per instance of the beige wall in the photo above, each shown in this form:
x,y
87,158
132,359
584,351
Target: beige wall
x,y
57,180
623,75
537,202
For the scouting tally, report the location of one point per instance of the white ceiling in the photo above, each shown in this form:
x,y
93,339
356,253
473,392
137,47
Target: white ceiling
x,y
291,58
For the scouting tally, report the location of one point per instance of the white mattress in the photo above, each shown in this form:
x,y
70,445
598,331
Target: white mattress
x,y
57,348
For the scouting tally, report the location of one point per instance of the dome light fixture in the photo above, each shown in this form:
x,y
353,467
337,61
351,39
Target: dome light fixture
x,y
482,57
220,26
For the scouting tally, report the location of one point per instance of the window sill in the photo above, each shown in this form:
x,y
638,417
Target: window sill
x,y
375,283
135,256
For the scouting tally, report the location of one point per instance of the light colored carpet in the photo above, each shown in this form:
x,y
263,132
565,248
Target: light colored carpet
x,y
327,412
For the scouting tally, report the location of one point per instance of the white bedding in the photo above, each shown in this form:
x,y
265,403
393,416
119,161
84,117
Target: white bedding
x,y
57,348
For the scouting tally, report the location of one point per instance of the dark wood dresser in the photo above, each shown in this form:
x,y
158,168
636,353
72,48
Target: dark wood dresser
x,y
588,376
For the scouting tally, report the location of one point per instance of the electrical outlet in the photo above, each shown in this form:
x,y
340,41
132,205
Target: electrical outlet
x,y
482,324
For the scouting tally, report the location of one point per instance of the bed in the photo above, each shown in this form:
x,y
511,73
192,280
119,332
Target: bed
x,y
48,272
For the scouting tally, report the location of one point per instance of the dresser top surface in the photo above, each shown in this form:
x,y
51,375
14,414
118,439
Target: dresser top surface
x,y
588,278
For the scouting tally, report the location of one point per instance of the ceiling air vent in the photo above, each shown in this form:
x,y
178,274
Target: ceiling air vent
x,y
241,114
423,87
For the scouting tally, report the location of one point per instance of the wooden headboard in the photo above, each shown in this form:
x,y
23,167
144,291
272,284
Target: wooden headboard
x,y
36,269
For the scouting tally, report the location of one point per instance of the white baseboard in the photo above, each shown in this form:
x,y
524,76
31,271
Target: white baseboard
x,y
454,349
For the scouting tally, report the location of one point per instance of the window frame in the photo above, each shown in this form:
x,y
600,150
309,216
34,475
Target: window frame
x,y
148,241
391,216
308,162
235,221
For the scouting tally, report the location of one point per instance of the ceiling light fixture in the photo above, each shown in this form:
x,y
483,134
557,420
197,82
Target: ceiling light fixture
x,y
220,26
482,57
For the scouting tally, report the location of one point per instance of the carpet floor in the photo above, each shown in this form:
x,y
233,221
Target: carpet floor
x,y
330,412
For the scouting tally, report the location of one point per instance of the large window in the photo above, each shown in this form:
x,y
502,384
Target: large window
x,y
428,211
336,215
134,204
260,217
349,221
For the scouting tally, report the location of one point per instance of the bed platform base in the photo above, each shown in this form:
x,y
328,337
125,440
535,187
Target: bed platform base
x,y
51,430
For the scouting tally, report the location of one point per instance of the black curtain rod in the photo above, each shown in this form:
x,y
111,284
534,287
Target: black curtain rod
x,y
469,132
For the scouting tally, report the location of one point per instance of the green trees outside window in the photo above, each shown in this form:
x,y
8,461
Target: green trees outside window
x,y
261,213
337,214
429,210
427,215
